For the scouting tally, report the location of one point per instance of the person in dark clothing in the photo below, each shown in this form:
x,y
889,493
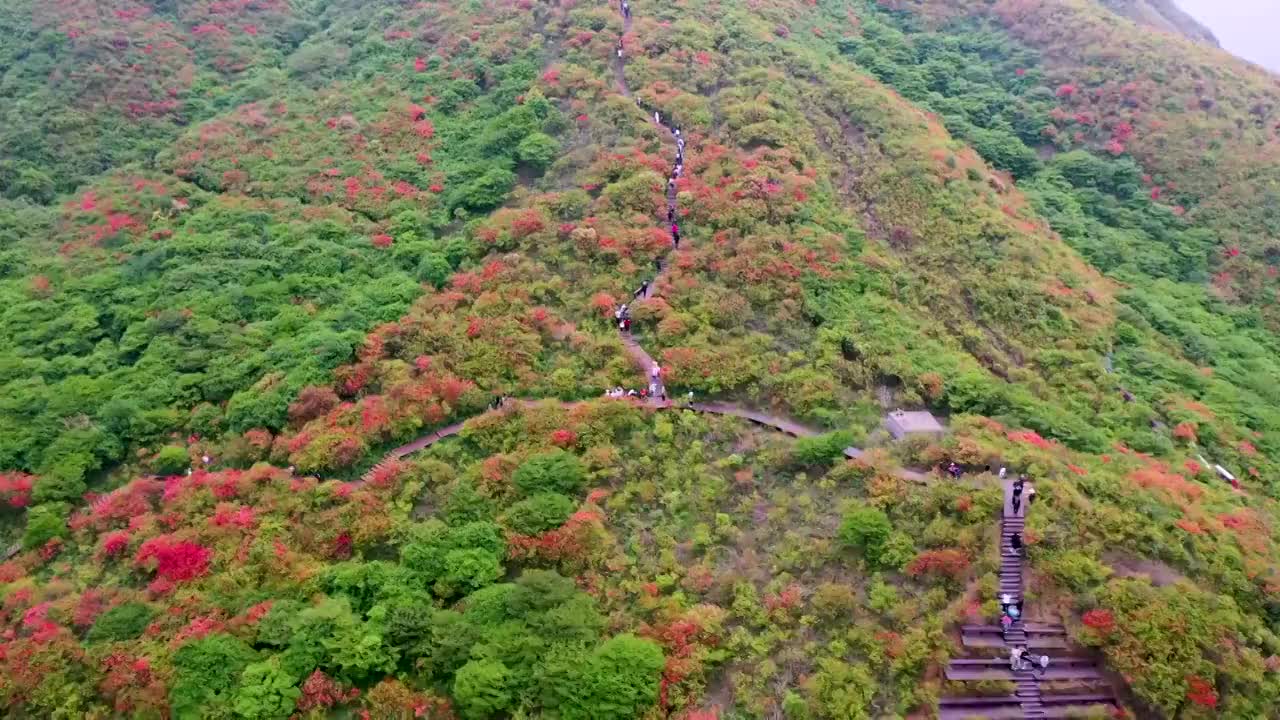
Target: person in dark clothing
x,y
1015,543
1017,494
671,215
644,289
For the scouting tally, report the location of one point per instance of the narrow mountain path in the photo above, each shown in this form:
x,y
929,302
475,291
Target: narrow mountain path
x,y
774,422
649,367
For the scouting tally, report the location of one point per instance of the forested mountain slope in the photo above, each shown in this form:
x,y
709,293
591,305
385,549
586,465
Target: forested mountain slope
x,y
248,246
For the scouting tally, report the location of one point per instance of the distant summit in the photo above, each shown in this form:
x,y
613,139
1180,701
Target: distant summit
x,y
1164,15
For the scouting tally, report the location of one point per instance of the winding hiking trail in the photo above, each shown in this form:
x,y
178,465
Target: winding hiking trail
x,y
992,642
640,357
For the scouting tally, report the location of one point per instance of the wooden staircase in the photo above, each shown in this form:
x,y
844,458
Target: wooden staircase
x,y
1029,699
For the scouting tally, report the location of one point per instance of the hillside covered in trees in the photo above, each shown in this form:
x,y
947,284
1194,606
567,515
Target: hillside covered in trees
x,y
266,265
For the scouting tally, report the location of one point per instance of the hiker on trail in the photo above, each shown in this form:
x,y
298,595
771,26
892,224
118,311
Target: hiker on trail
x,y
1003,472
1031,494
631,392
1044,666
655,372
1006,622
1015,658
671,214
619,51
626,10
657,118
1015,544
677,133
671,184
954,471
689,398
644,289
653,389
1016,502
644,393
625,325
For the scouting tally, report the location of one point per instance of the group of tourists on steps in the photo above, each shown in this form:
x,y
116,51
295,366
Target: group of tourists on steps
x,y
1020,659
623,314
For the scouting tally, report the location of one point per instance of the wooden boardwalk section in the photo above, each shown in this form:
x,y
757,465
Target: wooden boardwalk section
x,y
758,417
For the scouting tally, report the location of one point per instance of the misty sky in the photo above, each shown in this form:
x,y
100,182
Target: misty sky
x,y
1247,28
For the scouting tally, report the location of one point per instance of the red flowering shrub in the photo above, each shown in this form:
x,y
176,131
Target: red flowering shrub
x,y
342,546
946,563
174,560
113,544
789,599
564,438
569,544
1185,431
527,223
15,489
1030,437
1103,621
312,402
321,692
1159,478
1190,526
1201,692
